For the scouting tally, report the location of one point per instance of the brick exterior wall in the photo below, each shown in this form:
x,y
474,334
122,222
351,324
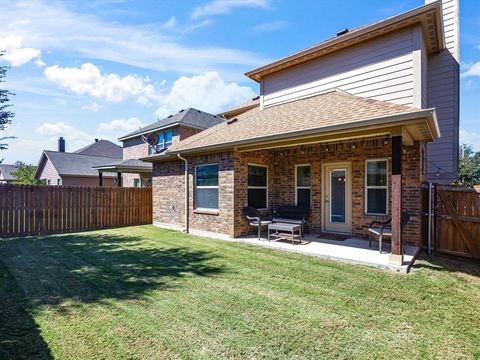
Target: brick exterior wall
x,y
135,148
168,185
169,195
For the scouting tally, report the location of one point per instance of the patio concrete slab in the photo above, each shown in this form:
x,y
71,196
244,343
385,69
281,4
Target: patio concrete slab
x,y
351,250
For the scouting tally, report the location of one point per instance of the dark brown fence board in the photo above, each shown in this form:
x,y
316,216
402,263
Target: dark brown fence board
x,y
34,210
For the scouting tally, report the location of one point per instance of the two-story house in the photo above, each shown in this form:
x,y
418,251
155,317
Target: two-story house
x,y
349,128
153,139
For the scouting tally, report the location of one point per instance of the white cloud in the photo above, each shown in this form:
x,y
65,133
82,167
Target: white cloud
x,y
93,106
217,7
15,54
471,70
470,138
270,26
173,25
40,63
88,80
207,92
145,46
120,126
75,138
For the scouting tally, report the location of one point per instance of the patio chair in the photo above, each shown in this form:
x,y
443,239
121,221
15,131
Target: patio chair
x,y
384,229
256,219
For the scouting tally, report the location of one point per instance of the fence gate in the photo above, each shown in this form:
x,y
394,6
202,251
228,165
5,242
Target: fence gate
x,y
456,220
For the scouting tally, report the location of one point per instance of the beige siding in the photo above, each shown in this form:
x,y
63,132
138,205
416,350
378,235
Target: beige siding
x,y
443,94
382,69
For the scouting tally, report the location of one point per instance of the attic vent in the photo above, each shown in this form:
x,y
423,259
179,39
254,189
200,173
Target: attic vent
x,y
181,111
255,98
342,32
199,111
231,121
168,116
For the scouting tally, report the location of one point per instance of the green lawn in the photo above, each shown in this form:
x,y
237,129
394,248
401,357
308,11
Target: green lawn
x,y
145,293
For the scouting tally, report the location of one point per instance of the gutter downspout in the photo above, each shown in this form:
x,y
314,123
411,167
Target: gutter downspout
x,y
186,229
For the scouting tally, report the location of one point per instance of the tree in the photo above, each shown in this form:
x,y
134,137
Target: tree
x,y
469,166
6,115
25,174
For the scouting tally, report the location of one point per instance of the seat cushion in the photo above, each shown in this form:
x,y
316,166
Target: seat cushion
x,y
387,231
262,223
287,221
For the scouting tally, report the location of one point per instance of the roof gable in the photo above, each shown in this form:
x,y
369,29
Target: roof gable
x,y
189,117
429,17
102,148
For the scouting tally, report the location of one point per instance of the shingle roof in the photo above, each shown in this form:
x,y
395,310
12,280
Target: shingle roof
x,y
240,108
102,148
76,164
6,171
188,117
313,113
131,163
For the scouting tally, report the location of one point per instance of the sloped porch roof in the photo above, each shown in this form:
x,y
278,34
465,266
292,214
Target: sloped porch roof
x,y
332,113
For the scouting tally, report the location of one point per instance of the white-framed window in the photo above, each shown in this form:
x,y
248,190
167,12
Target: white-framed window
x,y
49,182
206,186
258,186
59,182
303,192
376,187
137,183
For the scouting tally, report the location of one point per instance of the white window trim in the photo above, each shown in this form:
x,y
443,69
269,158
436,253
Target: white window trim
x,y
375,187
164,144
207,187
258,187
303,187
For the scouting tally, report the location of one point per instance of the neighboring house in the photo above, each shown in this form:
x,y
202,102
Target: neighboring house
x,y
6,173
156,138
341,127
76,168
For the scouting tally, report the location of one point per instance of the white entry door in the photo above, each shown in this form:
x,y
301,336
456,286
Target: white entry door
x,y
337,197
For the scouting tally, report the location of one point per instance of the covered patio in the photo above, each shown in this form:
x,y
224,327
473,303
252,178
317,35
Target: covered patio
x,y
131,166
352,250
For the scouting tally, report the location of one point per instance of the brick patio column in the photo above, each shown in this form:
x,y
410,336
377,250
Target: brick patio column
x,y
119,179
396,257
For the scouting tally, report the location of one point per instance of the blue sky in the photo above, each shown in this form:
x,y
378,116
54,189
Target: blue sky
x,y
100,69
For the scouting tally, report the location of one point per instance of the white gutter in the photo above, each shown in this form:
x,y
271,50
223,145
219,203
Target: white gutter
x,y
186,229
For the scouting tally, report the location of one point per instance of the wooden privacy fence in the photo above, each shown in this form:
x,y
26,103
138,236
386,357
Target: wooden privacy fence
x,y
35,210
456,220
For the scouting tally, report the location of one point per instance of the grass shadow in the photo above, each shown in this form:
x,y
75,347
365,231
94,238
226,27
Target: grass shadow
x,y
93,267
448,263
19,334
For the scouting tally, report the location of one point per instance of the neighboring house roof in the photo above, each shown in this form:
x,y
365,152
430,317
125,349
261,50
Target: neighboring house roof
x,y
6,172
131,165
427,16
189,117
102,148
72,164
241,108
331,111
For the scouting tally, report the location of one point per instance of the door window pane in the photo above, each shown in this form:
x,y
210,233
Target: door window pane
x,y
337,196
